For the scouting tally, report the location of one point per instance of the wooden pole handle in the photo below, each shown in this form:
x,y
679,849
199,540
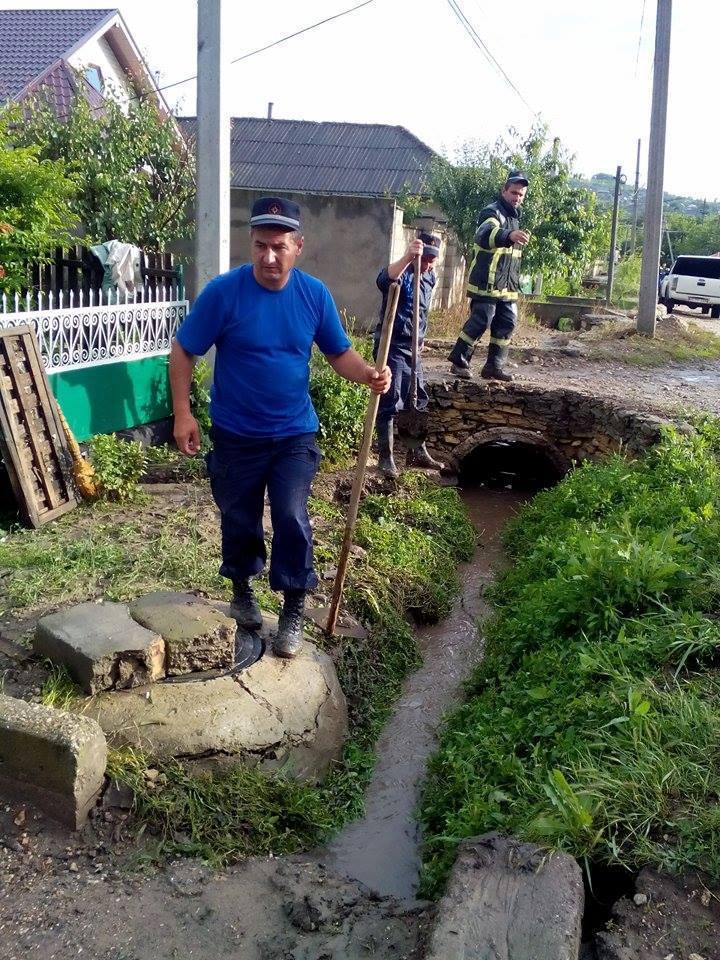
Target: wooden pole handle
x,y
415,333
370,415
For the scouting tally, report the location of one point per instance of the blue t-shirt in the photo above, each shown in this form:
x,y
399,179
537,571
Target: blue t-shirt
x,y
263,340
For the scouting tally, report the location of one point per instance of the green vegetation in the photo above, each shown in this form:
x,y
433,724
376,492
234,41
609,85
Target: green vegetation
x,y
673,345
134,172
593,725
340,407
569,230
413,540
118,465
693,235
59,690
35,213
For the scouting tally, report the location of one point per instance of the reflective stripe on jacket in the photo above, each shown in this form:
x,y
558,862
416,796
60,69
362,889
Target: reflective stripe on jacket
x,y
495,269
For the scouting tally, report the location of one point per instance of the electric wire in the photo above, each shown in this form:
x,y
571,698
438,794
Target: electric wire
x,y
245,56
485,50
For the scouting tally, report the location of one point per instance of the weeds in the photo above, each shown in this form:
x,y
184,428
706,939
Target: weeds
x,y
412,539
593,725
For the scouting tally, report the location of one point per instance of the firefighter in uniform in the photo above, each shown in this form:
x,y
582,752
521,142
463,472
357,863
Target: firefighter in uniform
x,y
494,282
400,356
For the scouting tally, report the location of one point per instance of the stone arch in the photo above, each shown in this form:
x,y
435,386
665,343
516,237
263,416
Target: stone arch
x,y
532,438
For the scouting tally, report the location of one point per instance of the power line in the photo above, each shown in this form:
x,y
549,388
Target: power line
x,y
276,43
485,50
637,55
245,56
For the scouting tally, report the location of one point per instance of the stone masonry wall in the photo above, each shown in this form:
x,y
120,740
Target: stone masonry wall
x,y
571,426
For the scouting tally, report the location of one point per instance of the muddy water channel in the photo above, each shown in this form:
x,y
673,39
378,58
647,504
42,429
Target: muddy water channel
x,y
382,849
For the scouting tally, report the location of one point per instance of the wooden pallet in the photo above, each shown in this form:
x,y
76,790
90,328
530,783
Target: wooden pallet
x,y
32,441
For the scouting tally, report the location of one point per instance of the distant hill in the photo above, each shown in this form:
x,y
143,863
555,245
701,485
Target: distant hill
x,y
603,186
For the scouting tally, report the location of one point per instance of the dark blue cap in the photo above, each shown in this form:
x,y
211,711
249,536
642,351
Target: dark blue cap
x,y
275,212
431,244
517,176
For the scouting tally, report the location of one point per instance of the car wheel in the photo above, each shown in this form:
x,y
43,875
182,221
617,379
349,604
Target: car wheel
x,y
668,304
715,312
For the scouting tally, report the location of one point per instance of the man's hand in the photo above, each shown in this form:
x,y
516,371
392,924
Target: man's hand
x,y
519,236
415,248
379,382
187,434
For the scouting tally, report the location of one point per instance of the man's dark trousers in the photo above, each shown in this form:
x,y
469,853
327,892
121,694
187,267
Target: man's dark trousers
x,y
499,315
241,469
400,363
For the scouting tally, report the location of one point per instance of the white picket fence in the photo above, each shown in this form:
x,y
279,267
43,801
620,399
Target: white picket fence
x,y
75,331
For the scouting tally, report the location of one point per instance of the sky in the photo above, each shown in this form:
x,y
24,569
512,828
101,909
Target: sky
x,y
583,68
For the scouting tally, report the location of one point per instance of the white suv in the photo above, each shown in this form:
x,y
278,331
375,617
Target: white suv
x,y
693,282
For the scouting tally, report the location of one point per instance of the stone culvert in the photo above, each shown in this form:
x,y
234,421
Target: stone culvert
x,y
564,426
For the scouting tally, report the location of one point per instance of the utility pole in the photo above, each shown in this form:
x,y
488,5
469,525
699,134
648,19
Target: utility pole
x,y
633,238
212,243
619,179
656,170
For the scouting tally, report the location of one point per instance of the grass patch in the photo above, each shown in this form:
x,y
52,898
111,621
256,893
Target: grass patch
x,y
675,345
59,690
412,541
593,726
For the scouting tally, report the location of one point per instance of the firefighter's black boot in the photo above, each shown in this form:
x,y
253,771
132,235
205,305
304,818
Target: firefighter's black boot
x,y
290,627
493,369
386,462
422,459
244,607
460,357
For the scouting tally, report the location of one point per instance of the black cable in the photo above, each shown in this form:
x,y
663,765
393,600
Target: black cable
x,y
245,56
485,50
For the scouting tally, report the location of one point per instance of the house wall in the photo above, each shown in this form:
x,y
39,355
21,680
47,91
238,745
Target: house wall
x,y
347,241
97,53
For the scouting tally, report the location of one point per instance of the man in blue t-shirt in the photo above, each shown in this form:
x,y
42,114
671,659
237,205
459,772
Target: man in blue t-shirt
x,y
263,318
427,245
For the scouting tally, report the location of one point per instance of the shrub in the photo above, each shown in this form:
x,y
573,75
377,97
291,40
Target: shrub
x,y
340,407
118,464
593,723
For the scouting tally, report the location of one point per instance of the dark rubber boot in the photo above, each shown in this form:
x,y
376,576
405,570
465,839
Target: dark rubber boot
x,y
244,607
422,459
460,357
386,461
463,373
290,627
493,369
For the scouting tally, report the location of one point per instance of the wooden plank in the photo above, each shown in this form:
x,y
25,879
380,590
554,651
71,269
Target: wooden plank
x,y
50,494
32,440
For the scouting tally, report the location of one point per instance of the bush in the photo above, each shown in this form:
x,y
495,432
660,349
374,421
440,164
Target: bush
x,y
118,464
340,406
593,724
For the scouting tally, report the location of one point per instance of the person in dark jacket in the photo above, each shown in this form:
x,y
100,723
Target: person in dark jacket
x,y
494,282
400,356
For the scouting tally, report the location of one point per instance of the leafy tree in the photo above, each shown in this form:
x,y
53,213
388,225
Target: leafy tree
x,y
568,228
691,235
35,206
135,173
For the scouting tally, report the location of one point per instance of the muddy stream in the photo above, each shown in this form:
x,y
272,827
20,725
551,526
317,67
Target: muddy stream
x,y
382,849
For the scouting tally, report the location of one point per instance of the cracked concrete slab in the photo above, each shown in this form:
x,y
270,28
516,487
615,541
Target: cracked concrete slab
x,y
287,714
101,645
197,634
51,758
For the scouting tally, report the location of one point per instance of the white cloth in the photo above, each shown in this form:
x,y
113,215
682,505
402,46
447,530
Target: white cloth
x,y
124,261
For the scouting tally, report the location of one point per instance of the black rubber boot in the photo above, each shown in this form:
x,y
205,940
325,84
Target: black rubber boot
x,y
422,459
244,607
386,462
290,628
493,369
460,357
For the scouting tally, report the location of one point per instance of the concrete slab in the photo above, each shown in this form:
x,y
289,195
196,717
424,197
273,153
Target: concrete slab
x,y
508,900
102,646
197,634
51,758
288,714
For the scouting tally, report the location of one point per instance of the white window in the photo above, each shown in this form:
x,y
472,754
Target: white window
x,y
93,75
